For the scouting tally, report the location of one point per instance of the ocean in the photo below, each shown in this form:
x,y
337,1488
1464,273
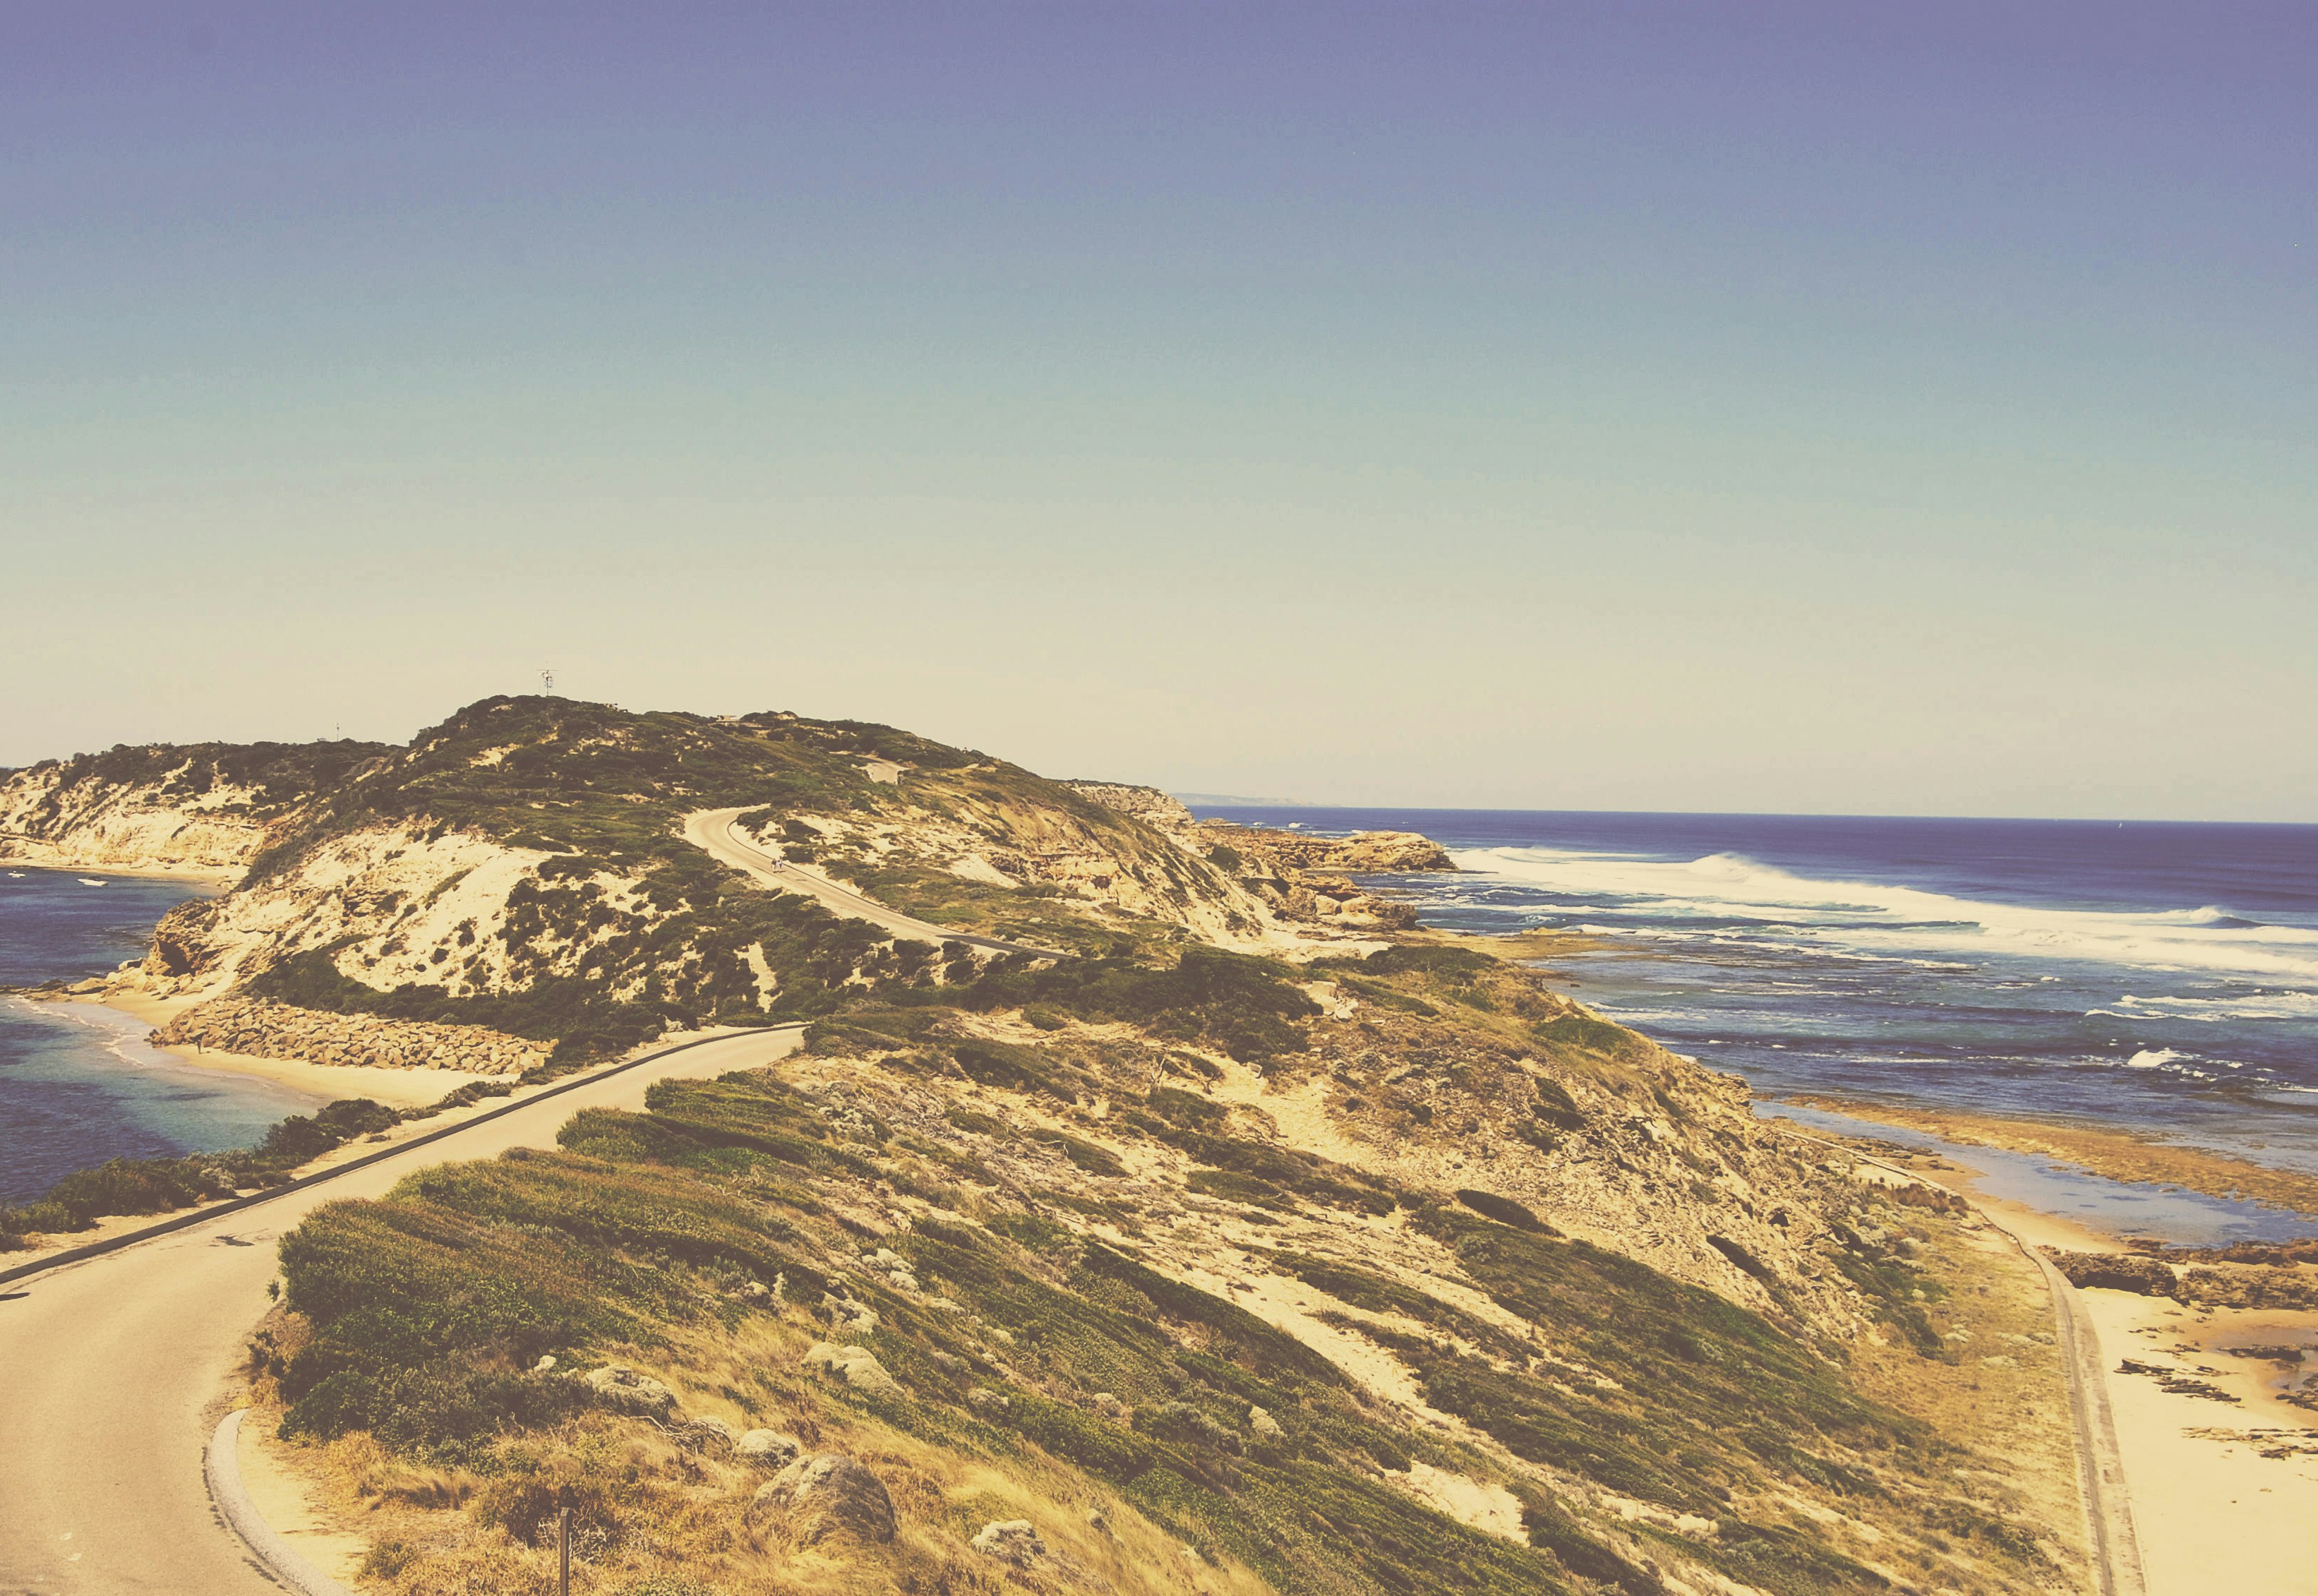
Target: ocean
x,y
2148,976
78,1083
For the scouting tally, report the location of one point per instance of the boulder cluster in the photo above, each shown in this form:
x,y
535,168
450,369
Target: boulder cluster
x,y
277,1030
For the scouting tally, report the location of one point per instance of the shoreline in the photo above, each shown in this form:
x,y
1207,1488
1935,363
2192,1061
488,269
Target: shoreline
x,y
2222,1471
396,1088
111,1225
2113,1153
217,875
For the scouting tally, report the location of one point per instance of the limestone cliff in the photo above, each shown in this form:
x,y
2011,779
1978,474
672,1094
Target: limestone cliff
x,y
209,808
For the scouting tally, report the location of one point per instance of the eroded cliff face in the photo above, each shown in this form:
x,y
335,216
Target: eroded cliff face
x,y
56,816
1294,879
388,906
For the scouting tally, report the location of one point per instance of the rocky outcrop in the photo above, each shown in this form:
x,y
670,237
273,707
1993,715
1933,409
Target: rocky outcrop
x,y
1009,1540
817,1497
857,1366
1295,874
277,1030
624,1391
2266,1285
2113,1271
1159,810
768,1449
181,943
1366,853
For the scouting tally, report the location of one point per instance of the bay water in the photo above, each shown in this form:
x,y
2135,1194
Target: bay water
x,y
79,1083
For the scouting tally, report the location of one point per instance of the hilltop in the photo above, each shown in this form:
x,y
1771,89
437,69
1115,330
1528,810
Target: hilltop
x,y
522,867
1240,1244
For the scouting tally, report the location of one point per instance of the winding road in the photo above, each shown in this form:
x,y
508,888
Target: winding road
x,y
114,1368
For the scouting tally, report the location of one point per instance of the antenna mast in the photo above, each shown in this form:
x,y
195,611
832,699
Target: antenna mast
x,y
547,680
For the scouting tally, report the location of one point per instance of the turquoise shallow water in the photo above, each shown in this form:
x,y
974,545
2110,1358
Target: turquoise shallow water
x,y
78,1083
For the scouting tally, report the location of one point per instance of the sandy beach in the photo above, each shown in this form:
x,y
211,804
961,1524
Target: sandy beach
x,y
396,1088
2222,1471
205,875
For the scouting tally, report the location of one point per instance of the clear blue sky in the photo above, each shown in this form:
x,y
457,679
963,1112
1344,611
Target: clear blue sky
x,y
1827,407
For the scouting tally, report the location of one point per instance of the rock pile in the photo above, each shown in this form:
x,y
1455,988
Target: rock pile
x,y
277,1030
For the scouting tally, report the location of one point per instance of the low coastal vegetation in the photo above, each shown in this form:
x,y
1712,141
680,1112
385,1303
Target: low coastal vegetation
x,y
1043,1273
1257,1244
127,1185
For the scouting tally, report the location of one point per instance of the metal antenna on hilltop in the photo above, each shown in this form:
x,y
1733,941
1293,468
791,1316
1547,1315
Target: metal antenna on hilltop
x,y
547,680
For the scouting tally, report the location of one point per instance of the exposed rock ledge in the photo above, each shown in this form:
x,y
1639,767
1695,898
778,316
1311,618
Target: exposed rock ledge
x,y
277,1030
1364,852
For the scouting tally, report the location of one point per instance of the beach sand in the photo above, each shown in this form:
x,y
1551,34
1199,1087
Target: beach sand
x,y
208,875
396,1088
2224,1493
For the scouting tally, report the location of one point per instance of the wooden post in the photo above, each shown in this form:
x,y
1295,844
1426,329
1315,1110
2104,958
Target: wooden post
x,y
563,1553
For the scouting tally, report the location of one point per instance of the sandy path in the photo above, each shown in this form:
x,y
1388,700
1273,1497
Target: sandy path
x,y
713,832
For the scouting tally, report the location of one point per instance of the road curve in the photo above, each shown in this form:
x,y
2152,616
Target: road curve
x,y
112,1369
2116,1548
714,832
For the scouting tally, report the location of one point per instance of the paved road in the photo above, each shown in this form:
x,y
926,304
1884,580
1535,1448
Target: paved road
x,y
714,831
2116,1548
2100,1465
112,1370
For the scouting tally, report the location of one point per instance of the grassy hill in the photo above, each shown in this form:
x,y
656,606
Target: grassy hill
x,y
1231,1253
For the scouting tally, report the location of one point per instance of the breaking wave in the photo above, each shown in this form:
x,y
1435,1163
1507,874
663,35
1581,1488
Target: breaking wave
x,y
1729,894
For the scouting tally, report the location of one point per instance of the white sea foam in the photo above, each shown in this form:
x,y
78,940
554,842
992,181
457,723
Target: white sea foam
x,y
2250,1006
1883,919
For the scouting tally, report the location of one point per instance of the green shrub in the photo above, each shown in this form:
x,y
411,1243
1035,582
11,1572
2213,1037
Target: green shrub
x,y
298,1138
387,1559
1585,1033
135,1186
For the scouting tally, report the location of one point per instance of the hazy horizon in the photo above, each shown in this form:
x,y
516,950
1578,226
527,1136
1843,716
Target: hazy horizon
x,y
1809,410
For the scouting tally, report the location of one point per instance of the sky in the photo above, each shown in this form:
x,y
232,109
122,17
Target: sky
x,y
1812,408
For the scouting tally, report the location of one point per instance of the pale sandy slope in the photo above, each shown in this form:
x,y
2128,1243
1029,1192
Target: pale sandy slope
x,y
113,1371
713,832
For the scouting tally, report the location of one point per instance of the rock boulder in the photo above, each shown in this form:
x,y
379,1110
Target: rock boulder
x,y
814,1498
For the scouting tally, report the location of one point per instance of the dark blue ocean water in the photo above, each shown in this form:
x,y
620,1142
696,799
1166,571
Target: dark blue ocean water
x,y
78,1083
2143,975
